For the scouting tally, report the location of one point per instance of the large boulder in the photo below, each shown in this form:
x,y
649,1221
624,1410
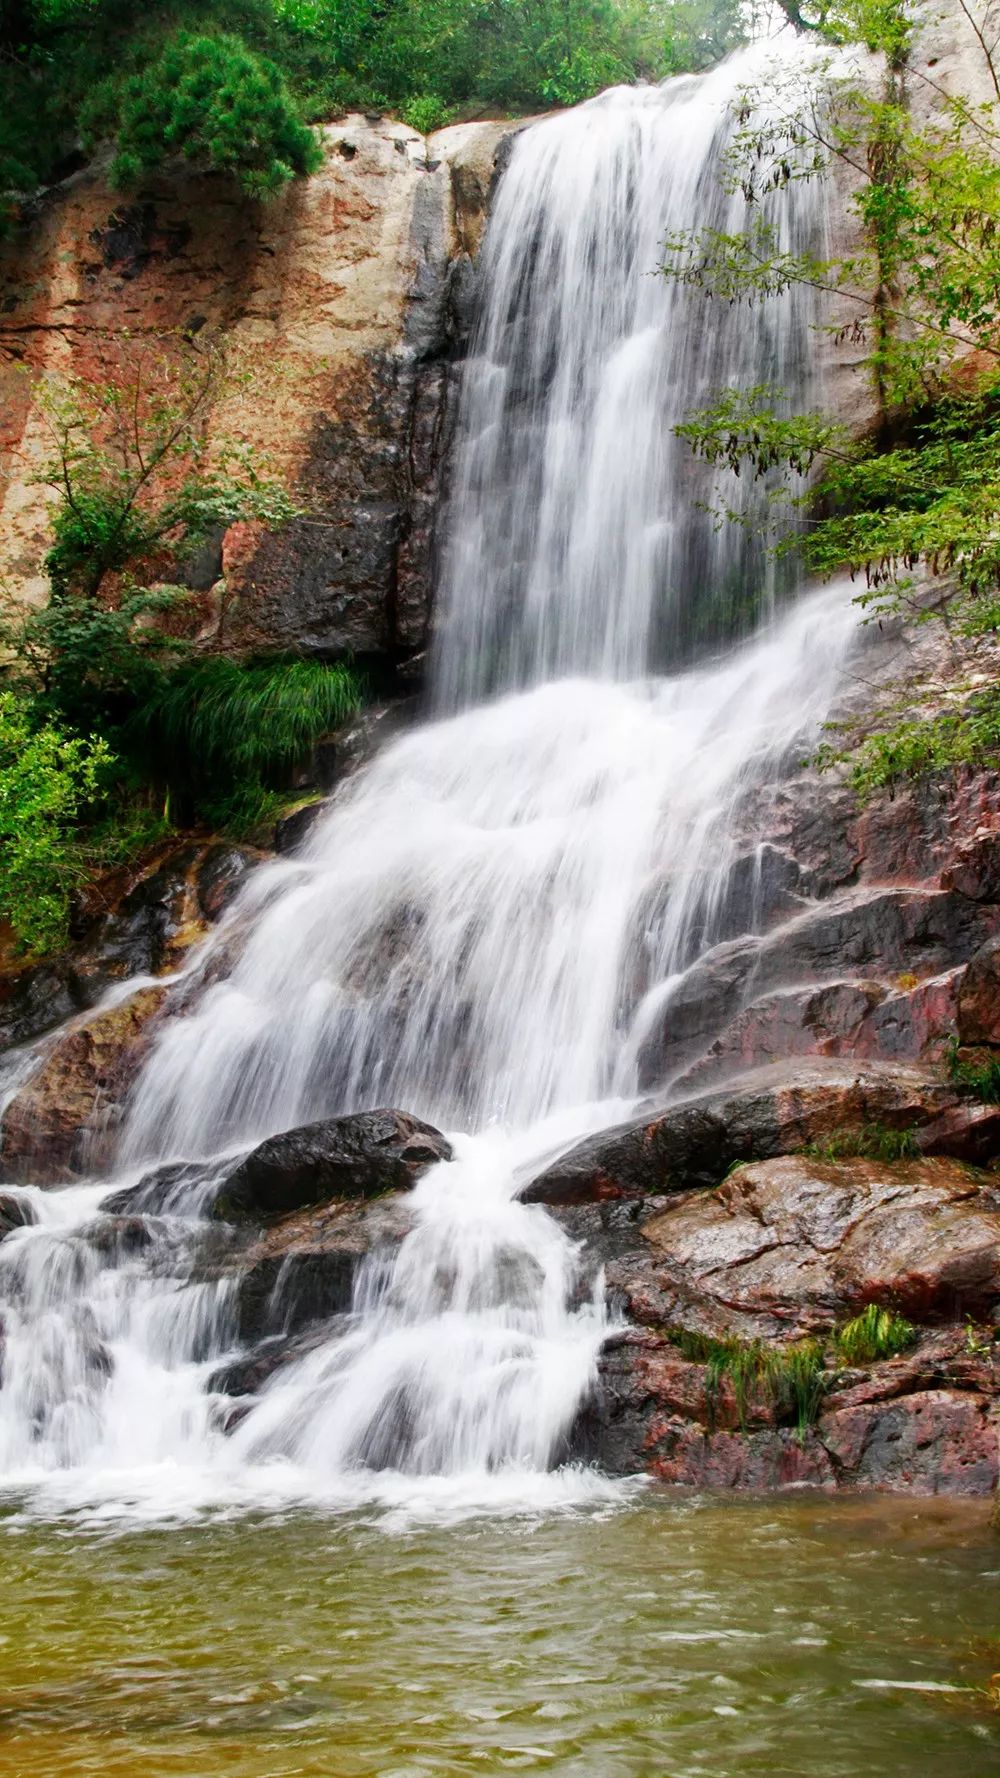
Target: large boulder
x,y
62,1124
768,1112
789,1246
360,1156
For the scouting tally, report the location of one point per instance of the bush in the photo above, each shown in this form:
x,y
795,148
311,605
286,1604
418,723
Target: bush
x,y
426,114
217,103
47,778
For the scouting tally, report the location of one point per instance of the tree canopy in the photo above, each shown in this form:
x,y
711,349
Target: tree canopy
x,y
235,84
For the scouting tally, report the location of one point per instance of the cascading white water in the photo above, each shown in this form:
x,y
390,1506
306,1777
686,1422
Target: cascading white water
x,y
458,936
579,540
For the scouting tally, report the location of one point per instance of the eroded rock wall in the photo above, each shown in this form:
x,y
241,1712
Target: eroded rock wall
x,y
347,298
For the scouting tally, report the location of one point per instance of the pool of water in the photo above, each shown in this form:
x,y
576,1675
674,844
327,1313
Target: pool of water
x,y
679,1638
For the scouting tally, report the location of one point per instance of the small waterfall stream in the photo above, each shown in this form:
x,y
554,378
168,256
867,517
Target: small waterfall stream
x,y
458,936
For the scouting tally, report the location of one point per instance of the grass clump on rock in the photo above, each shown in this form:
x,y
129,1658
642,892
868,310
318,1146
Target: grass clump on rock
x,y
868,1142
875,1334
790,1380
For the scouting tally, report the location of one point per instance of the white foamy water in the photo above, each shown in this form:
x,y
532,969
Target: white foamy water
x,y
460,935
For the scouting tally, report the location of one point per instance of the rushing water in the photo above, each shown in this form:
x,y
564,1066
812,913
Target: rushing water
x,y
681,1640
468,933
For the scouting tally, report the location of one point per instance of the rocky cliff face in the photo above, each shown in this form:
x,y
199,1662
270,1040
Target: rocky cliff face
x,y
348,297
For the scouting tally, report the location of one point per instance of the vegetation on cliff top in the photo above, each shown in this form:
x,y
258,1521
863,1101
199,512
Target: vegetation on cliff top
x,y
236,85
915,502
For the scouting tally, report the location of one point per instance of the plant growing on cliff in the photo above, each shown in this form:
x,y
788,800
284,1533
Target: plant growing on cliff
x,y
47,780
136,488
922,297
218,728
217,103
875,1334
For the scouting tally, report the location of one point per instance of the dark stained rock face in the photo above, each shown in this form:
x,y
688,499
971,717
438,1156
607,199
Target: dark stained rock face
x,y
766,1113
359,1156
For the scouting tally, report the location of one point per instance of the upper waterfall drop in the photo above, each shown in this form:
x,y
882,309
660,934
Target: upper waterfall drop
x,y
580,537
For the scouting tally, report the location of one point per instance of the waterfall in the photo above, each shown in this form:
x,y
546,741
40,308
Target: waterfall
x,y
459,935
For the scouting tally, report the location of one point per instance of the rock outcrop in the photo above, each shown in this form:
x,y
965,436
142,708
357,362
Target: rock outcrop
x,y
346,298
63,1123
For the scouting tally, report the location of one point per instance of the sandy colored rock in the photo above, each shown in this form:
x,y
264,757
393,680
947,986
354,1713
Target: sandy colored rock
x,y
62,1123
336,296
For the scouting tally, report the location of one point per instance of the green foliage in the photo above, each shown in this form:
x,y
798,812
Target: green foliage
x,y
47,779
790,1380
221,729
873,1335
203,738
978,1073
217,103
233,84
426,113
870,1142
965,735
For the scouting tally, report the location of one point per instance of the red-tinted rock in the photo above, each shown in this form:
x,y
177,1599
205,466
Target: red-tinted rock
x,y
792,1245
63,1122
942,1441
769,1112
979,997
968,1132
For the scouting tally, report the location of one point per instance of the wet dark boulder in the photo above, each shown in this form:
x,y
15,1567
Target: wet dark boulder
x,y
302,1270
178,1188
15,1213
767,1112
360,1156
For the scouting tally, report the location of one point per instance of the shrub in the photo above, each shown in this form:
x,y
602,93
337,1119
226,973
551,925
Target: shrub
x,y
46,780
216,729
426,114
214,101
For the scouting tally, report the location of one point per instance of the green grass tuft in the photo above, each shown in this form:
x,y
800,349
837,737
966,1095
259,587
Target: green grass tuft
x,y
874,1334
869,1142
227,730
791,1380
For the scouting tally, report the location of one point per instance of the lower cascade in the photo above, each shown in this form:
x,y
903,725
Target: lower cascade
x,y
477,931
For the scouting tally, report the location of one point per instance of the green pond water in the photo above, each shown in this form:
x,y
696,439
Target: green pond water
x,y
680,1638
